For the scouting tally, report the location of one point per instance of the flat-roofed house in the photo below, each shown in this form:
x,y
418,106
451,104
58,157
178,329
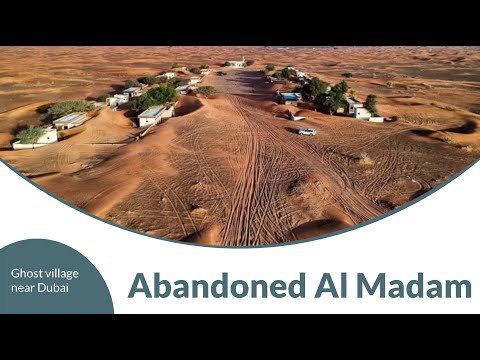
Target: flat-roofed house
x,y
117,99
351,105
364,114
194,80
167,75
236,64
183,90
155,114
49,137
71,120
133,91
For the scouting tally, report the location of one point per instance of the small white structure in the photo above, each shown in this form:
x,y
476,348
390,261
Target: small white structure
x,y
71,120
117,99
183,90
50,137
352,104
133,92
98,105
166,75
205,72
194,80
291,98
237,64
155,114
364,114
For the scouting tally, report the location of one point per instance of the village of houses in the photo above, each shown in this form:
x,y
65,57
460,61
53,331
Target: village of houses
x,y
154,115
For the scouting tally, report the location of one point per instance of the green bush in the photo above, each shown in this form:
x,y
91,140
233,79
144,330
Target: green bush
x,y
347,75
176,82
371,104
206,90
286,72
132,83
226,63
102,97
67,107
195,70
269,67
148,80
30,135
160,95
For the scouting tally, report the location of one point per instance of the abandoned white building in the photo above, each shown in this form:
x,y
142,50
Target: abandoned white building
x,y
49,137
133,92
155,114
236,64
117,99
204,71
363,114
183,90
351,105
71,120
166,75
195,80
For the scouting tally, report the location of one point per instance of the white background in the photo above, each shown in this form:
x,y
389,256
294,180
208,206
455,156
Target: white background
x,y
437,236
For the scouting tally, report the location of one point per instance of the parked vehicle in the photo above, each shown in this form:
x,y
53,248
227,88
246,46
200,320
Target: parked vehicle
x,y
307,131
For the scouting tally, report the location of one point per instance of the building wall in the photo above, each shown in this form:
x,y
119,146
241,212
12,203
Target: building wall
x,y
377,119
142,122
49,138
361,113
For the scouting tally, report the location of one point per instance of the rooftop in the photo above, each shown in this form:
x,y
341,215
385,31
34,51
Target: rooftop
x,y
132,89
73,118
291,96
352,101
182,88
152,112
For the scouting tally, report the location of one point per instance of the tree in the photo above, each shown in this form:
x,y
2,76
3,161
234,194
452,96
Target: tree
x,y
342,87
195,70
132,83
103,97
160,95
206,90
176,82
148,80
333,101
347,75
269,67
249,62
67,107
286,72
314,89
30,135
371,104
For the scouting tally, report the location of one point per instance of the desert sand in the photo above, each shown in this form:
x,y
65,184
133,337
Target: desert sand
x,y
231,169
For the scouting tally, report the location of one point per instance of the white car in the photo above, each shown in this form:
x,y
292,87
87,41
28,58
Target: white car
x,y
307,131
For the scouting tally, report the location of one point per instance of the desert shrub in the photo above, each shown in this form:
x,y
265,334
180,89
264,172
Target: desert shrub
x,y
175,65
102,97
286,73
148,80
449,108
447,139
67,107
195,70
226,63
347,75
163,94
176,82
132,83
365,159
389,84
30,135
206,90
371,104
249,62
433,104
204,66
468,148
269,67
